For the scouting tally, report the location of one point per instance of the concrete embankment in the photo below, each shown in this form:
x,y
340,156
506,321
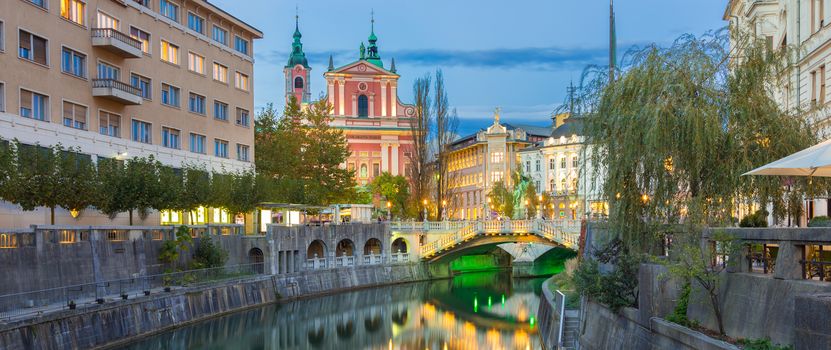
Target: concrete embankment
x,y
121,321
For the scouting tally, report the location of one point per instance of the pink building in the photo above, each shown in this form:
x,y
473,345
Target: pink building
x,y
365,105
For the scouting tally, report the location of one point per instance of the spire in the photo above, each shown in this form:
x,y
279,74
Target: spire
x,y
331,64
392,65
372,50
612,41
297,54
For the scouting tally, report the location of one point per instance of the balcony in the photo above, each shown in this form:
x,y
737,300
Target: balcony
x,y
117,91
116,42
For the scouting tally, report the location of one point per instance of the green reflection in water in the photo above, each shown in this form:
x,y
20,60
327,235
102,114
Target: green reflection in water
x,y
429,315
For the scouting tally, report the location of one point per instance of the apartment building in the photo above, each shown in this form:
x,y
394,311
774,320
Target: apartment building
x,y
479,160
805,24
128,78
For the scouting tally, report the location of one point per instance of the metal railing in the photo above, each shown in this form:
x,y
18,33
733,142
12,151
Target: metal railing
x,y
43,301
117,85
112,33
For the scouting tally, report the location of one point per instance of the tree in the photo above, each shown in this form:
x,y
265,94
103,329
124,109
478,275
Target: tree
x,y
703,268
36,181
110,186
279,145
420,127
672,136
140,186
208,255
170,189
324,150
196,190
394,189
502,199
76,181
446,123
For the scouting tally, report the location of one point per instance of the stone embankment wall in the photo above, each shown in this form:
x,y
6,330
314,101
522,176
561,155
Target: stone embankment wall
x,y
549,316
121,321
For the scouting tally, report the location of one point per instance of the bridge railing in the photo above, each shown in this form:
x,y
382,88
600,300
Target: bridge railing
x,y
373,259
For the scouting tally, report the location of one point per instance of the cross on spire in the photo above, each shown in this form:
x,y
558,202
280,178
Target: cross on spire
x,y
372,16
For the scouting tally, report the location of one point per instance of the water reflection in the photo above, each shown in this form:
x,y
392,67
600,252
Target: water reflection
x,y
471,311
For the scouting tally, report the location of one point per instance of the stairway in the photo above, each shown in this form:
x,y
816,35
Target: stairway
x,y
571,329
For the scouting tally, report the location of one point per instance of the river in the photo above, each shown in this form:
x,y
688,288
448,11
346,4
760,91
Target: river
x,y
483,310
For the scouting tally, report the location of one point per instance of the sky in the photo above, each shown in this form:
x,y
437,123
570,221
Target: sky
x,y
519,55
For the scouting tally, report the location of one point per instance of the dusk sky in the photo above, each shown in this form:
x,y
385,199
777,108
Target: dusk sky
x,y
519,55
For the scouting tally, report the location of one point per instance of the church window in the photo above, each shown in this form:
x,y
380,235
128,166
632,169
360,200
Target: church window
x,y
363,106
298,83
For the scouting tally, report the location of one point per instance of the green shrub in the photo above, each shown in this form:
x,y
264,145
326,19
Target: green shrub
x,y
616,289
757,219
761,344
679,315
820,221
208,255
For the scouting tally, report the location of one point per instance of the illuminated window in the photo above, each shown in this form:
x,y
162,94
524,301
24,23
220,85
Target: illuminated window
x,y
241,81
170,52
220,73
142,36
497,157
196,63
496,176
221,216
73,10
199,216
106,21
170,217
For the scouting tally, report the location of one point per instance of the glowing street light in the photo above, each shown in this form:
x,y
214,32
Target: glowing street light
x,y
389,206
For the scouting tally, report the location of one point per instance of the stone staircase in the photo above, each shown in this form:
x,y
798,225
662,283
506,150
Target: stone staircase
x,y
571,329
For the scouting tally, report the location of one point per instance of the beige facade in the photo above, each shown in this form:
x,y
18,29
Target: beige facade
x,y
477,161
807,25
125,78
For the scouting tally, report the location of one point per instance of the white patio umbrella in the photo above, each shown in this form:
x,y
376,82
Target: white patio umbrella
x,y
810,162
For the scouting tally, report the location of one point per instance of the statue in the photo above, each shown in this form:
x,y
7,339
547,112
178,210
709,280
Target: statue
x,y
521,183
496,115
363,51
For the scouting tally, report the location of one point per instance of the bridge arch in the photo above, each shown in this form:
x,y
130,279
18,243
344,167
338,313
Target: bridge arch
x,y
400,245
372,247
316,250
345,329
345,248
399,317
460,250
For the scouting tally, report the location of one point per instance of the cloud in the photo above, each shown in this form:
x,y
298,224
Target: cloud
x,y
547,58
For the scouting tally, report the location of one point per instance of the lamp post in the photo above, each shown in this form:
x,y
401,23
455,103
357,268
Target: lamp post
x,y
443,210
526,209
389,214
424,205
487,208
540,208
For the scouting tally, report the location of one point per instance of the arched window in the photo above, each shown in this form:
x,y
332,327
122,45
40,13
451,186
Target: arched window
x,y
363,106
298,83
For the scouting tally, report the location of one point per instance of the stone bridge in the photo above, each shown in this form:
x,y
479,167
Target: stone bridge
x,y
447,238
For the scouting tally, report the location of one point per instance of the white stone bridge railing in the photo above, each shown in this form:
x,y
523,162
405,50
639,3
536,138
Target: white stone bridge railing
x,y
563,232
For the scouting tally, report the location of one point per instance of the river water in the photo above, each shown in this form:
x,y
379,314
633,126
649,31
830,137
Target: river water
x,y
484,310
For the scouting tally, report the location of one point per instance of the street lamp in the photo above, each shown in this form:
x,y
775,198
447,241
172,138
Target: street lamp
x,y
443,210
424,205
389,215
526,209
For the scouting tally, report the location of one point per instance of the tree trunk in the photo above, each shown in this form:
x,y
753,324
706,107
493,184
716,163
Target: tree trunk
x,y
131,217
716,310
52,215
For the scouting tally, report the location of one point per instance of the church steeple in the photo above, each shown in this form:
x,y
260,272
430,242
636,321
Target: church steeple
x,y
297,54
372,51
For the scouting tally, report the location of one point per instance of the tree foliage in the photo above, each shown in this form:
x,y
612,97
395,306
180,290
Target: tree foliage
x,y
395,189
502,199
673,135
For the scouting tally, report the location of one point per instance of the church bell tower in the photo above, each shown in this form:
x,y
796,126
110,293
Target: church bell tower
x,y
297,71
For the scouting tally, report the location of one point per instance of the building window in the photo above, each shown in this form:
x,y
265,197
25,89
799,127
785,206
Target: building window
x,y
220,73
170,52
563,163
143,84
197,143
298,83
169,10
39,3
74,115
363,106
241,81
221,148
33,105
142,36
73,62
220,35
145,3
376,169
109,124
574,163
73,10
107,71
142,131
552,164
170,95
822,85
562,185
220,111
196,103
241,45
243,118
2,97
2,36
33,47
104,20
497,157
528,167
496,176
196,23
538,166
242,153
552,186
196,63
170,138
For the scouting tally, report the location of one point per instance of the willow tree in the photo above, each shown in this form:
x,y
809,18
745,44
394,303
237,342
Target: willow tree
x,y
673,135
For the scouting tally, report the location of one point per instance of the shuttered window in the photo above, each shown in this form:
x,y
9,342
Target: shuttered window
x,y
32,47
